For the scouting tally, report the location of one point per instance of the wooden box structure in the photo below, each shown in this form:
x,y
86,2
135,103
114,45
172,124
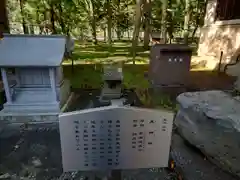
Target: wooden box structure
x,y
36,88
169,65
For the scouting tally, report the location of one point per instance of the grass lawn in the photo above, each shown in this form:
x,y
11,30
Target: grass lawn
x,y
119,51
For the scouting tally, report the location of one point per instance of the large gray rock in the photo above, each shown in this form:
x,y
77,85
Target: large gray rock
x,y
210,121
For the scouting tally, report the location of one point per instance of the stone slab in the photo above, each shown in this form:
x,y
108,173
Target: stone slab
x,y
209,121
115,137
192,165
30,118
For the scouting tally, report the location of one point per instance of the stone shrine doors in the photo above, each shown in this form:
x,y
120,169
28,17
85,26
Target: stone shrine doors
x,y
36,77
32,77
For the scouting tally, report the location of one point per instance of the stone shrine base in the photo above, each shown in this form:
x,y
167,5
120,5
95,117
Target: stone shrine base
x,y
31,117
41,113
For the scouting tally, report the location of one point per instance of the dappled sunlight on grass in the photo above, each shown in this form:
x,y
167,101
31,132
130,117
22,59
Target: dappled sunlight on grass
x,y
118,50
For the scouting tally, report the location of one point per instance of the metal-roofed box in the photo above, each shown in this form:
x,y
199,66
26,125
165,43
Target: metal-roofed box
x,y
36,87
169,65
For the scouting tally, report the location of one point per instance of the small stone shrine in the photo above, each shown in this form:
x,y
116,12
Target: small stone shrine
x,y
113,78
37,90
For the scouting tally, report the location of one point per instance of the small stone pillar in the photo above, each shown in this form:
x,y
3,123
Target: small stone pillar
x,y
113,78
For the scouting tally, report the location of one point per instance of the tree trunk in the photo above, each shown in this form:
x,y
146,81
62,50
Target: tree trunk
x,y
94,30
118,33
164,21
38,20
194,31
4,25
53,19
25,28
68,31
118,21
170,25
136,28
128,30
61,22
109,12
186,21
105,35
31,29
147,17
201,13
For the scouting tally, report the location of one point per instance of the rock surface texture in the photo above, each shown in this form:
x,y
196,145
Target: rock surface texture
x,y
210,121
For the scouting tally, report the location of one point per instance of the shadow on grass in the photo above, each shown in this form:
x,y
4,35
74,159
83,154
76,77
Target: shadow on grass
x,y
89,76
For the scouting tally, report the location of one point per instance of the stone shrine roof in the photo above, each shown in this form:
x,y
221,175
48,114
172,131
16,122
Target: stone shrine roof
x,y
32,50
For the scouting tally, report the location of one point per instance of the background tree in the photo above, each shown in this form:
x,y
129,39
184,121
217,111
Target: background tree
x,y
4,25
22,9
147,6
109,19
137,26
188,11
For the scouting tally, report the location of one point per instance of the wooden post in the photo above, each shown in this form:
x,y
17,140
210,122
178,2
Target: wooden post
x,y
6,85
53,82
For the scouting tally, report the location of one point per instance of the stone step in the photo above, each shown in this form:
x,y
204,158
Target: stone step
x,y
21,117
31,108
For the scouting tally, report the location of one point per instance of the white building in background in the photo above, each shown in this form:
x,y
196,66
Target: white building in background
x,y
221,30
221,33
